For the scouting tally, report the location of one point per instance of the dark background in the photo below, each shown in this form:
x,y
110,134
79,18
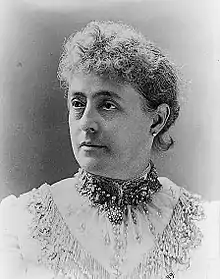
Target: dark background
x,y
35,145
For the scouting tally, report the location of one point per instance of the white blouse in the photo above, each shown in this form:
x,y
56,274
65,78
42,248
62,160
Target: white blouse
x,y
52,232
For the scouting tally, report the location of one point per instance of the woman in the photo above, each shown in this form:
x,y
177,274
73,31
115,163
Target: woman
x,y
115,218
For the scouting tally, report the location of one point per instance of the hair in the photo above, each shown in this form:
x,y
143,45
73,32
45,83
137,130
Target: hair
x,y
118,52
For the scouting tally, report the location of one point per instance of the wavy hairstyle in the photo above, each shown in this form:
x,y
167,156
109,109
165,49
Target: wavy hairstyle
x,y
118,52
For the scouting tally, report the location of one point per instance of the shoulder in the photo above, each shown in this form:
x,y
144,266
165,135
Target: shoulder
x,y
13,211
16,213
202,219
8,208
12,203
57,188
207,257
211,209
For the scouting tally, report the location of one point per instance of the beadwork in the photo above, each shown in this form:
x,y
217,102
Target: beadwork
x,y
113,196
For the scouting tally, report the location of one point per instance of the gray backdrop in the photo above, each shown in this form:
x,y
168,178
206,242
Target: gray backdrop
x,y
35,145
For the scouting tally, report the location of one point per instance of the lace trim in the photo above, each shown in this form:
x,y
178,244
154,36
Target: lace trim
x,y
60,251
173,248
63,254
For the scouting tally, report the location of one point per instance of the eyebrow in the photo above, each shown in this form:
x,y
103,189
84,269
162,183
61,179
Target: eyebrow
x,y
101,93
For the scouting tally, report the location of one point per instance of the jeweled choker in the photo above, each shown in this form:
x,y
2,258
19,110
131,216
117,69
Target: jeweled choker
x,y
114,196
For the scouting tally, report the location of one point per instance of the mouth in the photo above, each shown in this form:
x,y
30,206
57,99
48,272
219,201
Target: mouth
x,y
90,145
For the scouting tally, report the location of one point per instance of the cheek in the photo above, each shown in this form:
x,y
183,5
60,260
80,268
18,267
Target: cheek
x,y
72,128
133,135
122,138
133,129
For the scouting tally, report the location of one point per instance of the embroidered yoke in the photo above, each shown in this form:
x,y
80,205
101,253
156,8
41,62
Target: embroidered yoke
x,y
62,233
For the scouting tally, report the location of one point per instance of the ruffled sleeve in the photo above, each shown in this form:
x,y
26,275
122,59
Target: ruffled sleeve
x,y
13,224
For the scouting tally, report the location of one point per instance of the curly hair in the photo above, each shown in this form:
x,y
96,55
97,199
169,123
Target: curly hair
x,y
118,52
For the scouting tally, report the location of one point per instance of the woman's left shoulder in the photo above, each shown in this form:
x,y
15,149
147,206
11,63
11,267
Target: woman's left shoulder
x,y
210,248
205,221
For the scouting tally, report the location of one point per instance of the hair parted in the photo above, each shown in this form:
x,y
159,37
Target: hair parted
x,y
118,52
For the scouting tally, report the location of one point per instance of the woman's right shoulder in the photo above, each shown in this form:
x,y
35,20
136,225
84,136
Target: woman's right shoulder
x,y
59,187
7,208
14,208
12,202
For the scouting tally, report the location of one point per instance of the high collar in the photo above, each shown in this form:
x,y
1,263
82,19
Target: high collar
x,y
114,196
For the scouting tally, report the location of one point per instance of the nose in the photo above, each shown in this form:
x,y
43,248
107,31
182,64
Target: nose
x,y
89,120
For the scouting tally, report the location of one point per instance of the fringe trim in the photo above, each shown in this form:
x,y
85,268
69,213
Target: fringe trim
x,y
173,248
60,251
63,254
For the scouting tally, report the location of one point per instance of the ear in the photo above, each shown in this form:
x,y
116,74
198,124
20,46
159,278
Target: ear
x,y
159,118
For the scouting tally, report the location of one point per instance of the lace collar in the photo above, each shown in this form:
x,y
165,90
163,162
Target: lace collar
x,y
114,196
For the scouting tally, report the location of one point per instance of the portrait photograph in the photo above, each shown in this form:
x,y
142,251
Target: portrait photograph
x,y
109,139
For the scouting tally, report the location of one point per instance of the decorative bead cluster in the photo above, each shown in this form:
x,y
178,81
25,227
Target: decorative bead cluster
x,y
113,196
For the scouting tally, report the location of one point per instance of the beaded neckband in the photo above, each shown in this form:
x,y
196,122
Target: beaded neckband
x,y
113,196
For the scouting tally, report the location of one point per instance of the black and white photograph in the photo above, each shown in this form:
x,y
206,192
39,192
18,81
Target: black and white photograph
x,y
109,139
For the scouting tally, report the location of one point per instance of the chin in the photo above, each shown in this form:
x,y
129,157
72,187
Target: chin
x,y
90,164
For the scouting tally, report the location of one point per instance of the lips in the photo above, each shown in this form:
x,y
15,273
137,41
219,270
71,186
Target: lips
x,y
91,144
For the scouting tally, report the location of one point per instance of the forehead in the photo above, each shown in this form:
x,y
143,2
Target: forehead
x,y
91,82
92,85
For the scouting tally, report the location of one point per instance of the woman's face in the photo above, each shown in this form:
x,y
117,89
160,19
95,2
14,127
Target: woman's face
x,y
108,117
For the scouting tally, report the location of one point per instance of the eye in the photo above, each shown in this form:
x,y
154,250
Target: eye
x,y
77,104
107,105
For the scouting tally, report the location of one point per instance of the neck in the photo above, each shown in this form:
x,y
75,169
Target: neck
x,y
118,174
141,174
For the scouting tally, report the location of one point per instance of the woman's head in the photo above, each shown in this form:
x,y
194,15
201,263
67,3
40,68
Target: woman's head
x,y
117,55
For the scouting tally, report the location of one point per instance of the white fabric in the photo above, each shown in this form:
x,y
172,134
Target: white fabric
x,y
19,251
